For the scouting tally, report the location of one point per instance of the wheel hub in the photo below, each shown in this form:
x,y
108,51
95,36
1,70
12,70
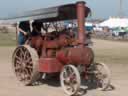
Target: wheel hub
x,y
70,79
24,65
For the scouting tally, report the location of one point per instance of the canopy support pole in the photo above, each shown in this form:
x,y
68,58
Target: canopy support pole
x,y
17,33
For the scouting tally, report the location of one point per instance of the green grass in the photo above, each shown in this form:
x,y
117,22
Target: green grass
x,y
7,39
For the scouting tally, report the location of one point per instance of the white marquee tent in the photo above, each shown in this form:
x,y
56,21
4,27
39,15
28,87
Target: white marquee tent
x,y
115,22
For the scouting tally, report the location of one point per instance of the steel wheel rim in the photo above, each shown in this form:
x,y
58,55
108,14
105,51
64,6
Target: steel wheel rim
x,y
103,76
70,80
24,64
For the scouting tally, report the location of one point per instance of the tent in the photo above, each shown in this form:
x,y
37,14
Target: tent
x,y
115,22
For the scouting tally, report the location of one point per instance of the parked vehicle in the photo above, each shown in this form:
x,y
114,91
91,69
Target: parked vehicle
x,y
119,31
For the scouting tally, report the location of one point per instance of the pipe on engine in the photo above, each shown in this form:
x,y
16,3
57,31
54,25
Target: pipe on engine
x,y
81,21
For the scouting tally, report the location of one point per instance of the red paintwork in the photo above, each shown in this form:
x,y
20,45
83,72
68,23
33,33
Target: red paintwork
x,y
37,43
49,65
75,56
55,53
81,22
66,56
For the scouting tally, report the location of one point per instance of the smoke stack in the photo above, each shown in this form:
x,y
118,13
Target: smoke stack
x,y
81,22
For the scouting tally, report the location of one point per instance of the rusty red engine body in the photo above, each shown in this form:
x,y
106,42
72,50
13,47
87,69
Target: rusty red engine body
x,y
73,56
64,49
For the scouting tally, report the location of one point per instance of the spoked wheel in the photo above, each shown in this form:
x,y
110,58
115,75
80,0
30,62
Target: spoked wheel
x,y
102,75
70,79
24,61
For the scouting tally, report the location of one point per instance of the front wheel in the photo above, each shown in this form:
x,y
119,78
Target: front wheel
x,y
70,79
102,74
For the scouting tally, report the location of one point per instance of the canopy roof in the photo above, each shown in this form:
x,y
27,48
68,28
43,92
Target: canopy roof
x,y
63,12
115,22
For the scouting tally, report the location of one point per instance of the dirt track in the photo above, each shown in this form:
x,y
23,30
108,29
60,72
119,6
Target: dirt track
x,y
9,86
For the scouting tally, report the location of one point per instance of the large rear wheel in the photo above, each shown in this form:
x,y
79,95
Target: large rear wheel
x,y
25,64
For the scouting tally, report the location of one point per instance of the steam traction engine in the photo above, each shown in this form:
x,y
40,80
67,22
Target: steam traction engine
x,y
59,51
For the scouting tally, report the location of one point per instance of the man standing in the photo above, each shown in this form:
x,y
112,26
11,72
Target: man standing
x,y
24,30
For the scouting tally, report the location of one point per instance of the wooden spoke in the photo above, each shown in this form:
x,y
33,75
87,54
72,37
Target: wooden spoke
x,y
21,51
65,74
27,74
102,75
17,68
18,58
70,79
25,55
23,62
28,60
18,62
29,66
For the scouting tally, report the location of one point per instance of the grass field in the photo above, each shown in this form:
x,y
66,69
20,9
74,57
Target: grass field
x,y
7,39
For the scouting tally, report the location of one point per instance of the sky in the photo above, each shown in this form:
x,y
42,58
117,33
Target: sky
x,y
100,8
